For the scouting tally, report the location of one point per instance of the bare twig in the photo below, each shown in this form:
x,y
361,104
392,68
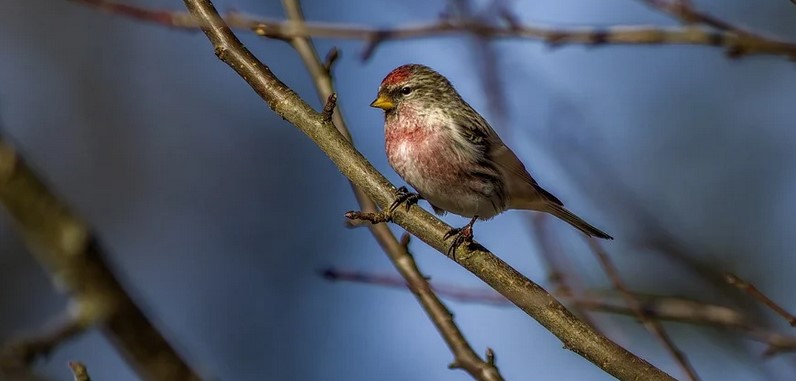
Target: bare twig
x,y
684,11
736,44
331,58
668,308
74,258
524,293
79,371
18,354
460,294
372,217
652,325
564,281
328,108
464,356
750,289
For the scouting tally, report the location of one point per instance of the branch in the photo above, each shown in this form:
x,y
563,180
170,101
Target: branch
x,y
464,355
63,244
750,289
79,371
528,296
652,325
668,308
16,356
734,41
554,258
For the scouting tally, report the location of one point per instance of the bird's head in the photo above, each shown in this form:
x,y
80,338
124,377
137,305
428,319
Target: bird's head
x,y
413,84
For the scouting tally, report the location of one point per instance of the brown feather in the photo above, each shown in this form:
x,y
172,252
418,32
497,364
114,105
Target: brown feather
x,y
519,183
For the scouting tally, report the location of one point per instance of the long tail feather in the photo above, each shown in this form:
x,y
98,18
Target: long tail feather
x,y
564,214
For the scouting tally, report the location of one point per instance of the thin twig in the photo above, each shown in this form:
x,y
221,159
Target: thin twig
x,y
79,371
750,289
527,295
331,58
372,217
551,253
20,353
652,325
70,252
668,308
328,108
684,11
730,40
464,356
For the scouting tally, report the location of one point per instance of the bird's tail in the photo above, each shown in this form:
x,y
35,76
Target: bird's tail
x,y
564,214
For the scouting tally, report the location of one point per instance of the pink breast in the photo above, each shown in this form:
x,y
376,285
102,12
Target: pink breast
x,y
420,154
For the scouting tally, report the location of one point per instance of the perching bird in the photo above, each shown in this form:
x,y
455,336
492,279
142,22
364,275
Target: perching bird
x,y
447,152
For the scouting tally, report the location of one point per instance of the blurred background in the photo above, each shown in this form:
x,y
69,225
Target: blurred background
x,y
218,215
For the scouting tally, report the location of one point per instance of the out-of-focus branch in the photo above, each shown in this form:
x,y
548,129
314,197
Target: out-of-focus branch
x,y
668,308
684,11
553,257
63,244
16,356
464,355
734,41
79,371
530,297
758,295
652,325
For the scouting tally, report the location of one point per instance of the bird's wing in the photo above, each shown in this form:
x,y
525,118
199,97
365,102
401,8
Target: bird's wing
x,y
519,183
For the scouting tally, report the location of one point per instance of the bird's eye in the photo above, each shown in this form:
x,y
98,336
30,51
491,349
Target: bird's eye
x,y
406,90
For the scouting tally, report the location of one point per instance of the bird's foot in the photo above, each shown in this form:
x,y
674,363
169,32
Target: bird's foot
x,y
405,197
460,236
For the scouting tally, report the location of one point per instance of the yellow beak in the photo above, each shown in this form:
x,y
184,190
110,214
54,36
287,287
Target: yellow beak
x,y
383,103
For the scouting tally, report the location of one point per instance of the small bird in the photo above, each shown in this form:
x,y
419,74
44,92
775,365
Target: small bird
x,y
447,152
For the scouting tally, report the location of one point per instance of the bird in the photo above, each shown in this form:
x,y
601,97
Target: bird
x,y
452,157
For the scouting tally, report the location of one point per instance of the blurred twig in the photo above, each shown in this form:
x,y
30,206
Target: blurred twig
x,y
668,308
17,355
734,41
65,246
684,11
652,325
527,295
551,253
750,289
79,371
464,356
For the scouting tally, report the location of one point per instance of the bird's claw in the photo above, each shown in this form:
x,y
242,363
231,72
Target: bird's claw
x,y
406,197
460,236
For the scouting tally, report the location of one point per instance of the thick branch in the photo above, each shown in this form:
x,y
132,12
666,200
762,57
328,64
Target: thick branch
x,y
464,355
529,296
64,245
734,41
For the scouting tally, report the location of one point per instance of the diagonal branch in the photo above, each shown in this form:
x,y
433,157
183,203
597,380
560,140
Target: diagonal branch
x,y
79,371
652,325
758,295
564,283
530,297
464,355
63,244
735,41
